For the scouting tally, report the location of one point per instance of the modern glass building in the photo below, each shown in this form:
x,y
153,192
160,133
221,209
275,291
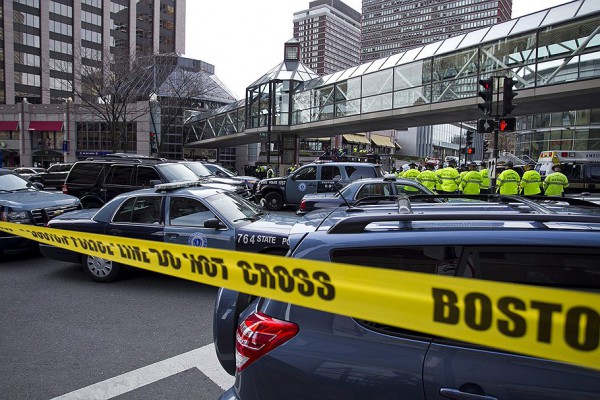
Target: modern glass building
x,y
393,26
329,35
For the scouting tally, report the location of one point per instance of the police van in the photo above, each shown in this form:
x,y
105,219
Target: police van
x,y
582,168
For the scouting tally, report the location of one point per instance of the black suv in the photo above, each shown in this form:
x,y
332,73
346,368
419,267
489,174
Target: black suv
x,y
54,176
283,350
96,181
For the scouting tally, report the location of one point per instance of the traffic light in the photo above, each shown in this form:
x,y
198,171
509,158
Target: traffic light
x,y
508,96
485,125
153,143
470,150
487,94
469,142
486,144
507,124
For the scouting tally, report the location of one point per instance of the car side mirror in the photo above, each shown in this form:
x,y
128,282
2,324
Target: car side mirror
x,y
38,185
214,223
155,182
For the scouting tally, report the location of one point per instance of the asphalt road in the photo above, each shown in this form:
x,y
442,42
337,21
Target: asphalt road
x,y
147,336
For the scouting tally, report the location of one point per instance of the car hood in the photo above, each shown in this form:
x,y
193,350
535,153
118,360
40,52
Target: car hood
x,y
33,199
272,223
219,180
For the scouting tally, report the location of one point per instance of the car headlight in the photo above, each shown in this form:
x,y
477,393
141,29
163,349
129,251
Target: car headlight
x,y
17,217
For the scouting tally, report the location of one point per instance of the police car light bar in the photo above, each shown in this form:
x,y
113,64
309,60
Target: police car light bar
x,y
176,185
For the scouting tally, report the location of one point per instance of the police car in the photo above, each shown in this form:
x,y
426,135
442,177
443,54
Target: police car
x,y
184,213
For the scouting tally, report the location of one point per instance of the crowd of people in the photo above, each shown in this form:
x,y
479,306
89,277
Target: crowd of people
x,y
475,180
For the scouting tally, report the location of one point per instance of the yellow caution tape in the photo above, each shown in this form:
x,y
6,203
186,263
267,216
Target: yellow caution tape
x,y
556,324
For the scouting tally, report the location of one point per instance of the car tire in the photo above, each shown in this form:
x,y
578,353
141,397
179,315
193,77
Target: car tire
x,y
274,201
101,269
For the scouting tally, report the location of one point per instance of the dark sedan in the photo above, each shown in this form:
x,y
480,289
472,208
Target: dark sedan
x,y
389,185
23,202
183,213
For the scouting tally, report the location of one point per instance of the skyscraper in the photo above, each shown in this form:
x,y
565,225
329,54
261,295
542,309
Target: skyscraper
x,y
329,35
55,39
393,26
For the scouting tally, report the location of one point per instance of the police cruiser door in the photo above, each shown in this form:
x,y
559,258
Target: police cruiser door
x,y
185,224
304,181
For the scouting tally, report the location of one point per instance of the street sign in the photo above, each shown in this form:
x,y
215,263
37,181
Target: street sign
x,y
485,125
263,134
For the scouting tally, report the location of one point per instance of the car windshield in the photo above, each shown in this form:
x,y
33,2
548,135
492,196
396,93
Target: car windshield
x,y
177,173
199,169
233,208
12,182
346,191
223,170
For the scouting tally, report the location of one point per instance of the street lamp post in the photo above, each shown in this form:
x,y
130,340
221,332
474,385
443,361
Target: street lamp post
x,y
67,137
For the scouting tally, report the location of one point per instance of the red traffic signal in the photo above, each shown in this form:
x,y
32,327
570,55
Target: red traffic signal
x,y
487,94
470,150
507,124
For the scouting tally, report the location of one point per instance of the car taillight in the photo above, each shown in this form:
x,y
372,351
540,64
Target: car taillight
x,y
257,335
65,189
303,205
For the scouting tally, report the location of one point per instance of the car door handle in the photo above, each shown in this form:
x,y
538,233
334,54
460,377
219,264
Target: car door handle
x,y
460,395
116,231
172,235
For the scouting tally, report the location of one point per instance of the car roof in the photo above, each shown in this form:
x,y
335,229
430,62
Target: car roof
x,y
496,212
5,171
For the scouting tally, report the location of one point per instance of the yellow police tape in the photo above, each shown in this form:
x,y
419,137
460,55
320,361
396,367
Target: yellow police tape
x,y
555,324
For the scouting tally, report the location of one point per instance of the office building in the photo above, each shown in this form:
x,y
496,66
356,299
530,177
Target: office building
x,y
329,36
394,26
71,59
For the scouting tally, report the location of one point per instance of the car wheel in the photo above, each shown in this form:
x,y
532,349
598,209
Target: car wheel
x,y
274,201
101,269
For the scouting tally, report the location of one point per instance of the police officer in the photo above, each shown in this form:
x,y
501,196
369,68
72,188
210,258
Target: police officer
x,y
270,172
555,183
531,181
471,181
412,173
485,180
508,181
449,178
427,177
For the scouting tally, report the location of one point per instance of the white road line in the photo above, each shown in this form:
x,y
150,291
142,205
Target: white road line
x,y
203,358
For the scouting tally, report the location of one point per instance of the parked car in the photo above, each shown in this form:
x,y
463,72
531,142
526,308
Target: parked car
x,y
219,170
207,176
27,172
387,186
54,176
185,213
274,193
24,202
282,350
96,181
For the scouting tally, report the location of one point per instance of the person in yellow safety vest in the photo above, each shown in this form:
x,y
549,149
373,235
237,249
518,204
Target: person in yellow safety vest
x,y
555,183
471,181
531,182
427,177
438,183
412,174
485,181
508,181
270,172
462,172
450,178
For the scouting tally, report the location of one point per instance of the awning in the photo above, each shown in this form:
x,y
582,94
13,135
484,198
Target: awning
x,y
46,126
9,125
354,138
382,141
319,139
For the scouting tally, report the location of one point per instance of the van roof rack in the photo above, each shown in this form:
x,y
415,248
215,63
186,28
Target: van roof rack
x,y
357,224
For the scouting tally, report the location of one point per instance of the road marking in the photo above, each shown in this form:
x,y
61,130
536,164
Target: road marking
x,y
203,358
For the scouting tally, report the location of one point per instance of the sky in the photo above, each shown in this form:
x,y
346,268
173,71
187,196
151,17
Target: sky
x,y
244,39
